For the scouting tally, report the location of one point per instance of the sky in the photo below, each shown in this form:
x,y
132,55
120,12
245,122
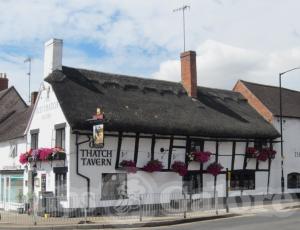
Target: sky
x,y
252,40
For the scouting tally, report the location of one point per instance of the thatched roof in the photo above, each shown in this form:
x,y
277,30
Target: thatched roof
x,y
14,114
142,105
269,96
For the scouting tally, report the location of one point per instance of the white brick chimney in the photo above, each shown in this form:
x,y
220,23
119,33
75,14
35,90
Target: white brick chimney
x,y
53,56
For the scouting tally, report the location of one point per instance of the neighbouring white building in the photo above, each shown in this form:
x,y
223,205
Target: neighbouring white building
x,y
265,99
145,120
14,117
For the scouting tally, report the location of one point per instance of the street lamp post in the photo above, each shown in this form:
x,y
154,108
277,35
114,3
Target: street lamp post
x,y
281,126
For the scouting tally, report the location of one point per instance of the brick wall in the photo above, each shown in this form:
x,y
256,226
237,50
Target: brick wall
x,y
253,101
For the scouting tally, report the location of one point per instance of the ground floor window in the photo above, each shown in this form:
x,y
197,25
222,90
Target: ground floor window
x,y
192,183
60,182
293,180
242,180
114,186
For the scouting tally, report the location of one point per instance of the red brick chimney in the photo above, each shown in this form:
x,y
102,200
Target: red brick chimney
x,y
3,81
34,97
189,72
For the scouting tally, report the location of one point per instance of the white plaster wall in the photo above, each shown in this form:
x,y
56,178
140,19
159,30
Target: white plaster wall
x,y
47,113
7,162
291,145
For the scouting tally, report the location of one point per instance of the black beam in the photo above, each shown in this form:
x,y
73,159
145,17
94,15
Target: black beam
x,y
136,147
170,152
118,150
152,147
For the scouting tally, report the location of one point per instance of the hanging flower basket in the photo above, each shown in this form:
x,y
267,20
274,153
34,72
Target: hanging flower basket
x,y
129,166
180,168
58,154
251,152
24,157
153,166
42,154
265,154
45,154
200,156
214,168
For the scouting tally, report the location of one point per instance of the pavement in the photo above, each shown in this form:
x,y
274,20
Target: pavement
x,y
277,212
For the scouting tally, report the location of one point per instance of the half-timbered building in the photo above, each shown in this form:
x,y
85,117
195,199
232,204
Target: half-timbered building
x,y
145,120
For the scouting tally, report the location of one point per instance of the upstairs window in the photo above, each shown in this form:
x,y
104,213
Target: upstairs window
x,y
60,135
34,139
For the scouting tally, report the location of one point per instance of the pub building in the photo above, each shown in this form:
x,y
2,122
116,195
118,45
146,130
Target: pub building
x,y
123,135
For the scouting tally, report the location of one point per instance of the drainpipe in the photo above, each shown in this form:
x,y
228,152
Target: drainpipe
x,y
77,169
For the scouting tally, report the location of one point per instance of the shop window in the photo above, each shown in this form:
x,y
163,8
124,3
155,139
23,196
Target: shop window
x,y
114,186
293,180
192,183
34,139
60,136
242,180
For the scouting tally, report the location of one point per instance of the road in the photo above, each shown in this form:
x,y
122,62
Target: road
x,y
288,220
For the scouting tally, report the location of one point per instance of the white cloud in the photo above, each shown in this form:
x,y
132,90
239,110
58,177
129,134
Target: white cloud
x,y
220,65
257,39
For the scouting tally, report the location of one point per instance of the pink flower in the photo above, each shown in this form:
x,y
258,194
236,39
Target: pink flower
x,y
23,158
251,151
214,168
153,166
45,154
129,166
201,157
265,154
180,168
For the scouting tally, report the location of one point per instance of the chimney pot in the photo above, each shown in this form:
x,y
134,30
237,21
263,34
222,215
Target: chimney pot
x,y
3,82
189,72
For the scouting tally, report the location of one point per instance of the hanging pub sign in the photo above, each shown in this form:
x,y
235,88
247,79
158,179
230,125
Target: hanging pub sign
x,y
98,135
98,129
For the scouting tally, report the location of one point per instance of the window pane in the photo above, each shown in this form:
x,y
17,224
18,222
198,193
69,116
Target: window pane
x,y
60,138
34,141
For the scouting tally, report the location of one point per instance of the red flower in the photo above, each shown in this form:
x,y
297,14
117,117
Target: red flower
x,y
265,154
45,153
214,168
251,151
153,166
201,157
180,168
129,166
23,158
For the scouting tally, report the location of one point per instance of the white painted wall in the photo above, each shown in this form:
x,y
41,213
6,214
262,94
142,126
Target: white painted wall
x,y
8,162
291,144
47,113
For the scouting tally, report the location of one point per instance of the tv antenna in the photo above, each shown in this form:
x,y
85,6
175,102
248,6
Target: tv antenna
x,y
28,60
183,9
